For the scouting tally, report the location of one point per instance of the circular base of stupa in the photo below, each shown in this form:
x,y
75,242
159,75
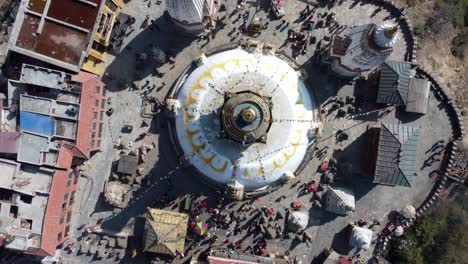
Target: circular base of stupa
x,y
245,119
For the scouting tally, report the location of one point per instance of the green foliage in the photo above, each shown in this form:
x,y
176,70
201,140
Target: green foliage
x,y
456,10
459,44
441,237
418,30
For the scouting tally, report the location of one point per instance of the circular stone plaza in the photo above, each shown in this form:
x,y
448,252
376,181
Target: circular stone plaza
x,y
279,145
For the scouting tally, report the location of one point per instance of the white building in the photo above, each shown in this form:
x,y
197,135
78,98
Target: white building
x,y
192,16
340,201
235,126
361,49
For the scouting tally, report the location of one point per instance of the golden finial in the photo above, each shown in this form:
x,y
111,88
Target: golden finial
x,y
390,32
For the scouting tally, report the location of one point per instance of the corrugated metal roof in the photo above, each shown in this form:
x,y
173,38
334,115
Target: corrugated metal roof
x,y
418,96
396,155
168,233
394,83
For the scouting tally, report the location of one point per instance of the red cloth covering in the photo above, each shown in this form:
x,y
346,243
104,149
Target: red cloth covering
x,y
343,260
325,166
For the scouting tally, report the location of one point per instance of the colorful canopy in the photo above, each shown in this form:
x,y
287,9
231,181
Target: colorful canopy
x,y
201,228
408,211
399,231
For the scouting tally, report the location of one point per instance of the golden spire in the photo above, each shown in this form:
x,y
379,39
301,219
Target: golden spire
x,y
249,115
391,32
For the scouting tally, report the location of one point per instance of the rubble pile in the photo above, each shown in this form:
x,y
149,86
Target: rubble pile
x,y
117,194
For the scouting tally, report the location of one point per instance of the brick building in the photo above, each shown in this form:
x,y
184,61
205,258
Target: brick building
x,y
51,123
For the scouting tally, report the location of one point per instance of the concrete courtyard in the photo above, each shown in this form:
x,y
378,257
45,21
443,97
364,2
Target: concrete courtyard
x,y
124,72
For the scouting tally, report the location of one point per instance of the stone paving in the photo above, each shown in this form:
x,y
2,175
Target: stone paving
x,y
373,202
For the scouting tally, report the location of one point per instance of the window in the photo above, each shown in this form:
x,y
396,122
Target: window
x,y
95,115
92,143
64,205
70,175
65,197
13,211
26,223
69,217
104,91
59,236
102,115
61,220
6,195
99,143
68,183
98,47
26,198
98,89
94,125
100,130
72,197
103,103
67,230
112,6
75,181
96,103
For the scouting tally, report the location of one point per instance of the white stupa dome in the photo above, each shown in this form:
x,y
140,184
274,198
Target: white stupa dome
x,y
189,11
386,35
269,101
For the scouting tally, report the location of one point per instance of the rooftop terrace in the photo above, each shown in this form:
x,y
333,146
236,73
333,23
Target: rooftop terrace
x,y
37,149
49,78
24,193
25,179
56,31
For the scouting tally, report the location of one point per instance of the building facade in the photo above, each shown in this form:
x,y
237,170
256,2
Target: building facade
x,y
55,123
105,38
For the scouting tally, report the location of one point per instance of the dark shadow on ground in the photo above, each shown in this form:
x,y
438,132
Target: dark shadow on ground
x,y
340,242
365,95
392,215
353,166
126,68
180,182
101,205
157,123
320,259
322,84
406,117
326,217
